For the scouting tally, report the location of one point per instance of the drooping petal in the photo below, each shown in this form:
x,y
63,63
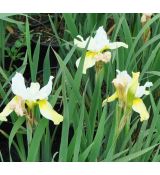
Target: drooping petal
x,y
81,43
116,45
47,111
46,90
6,112
139,107
110,99
88,62
101,39
18,85
17,104
141,90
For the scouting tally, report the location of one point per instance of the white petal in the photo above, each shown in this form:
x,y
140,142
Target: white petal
x,y
101,39
122,78
116,45
88,62
141,90
18,85
33,91
46,90
81,43
47,111
148,84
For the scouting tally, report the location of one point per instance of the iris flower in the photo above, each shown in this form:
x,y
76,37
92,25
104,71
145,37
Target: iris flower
x,y
129,93
98,48
145,17
30,96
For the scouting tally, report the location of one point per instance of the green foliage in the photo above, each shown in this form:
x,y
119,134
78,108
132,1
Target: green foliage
x,y
88,132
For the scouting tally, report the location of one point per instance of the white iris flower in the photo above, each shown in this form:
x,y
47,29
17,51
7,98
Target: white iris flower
x,y
30,96
98,48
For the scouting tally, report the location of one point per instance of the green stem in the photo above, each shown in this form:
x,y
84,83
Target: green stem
x,y
125,121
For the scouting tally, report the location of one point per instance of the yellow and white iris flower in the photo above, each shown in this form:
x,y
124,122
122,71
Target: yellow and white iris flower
x,y
129,93
30,96
98,48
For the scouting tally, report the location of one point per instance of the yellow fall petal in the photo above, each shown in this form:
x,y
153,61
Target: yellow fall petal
x,y
138,106
47,111
110,99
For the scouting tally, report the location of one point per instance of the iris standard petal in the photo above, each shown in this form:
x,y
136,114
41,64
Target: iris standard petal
x,y
116,45
101,39
46,90
139,107
88,62
47,111
18,85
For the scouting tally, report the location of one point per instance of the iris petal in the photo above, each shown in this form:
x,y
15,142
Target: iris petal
x,y
47,111
110,99
88,62
116,45
18,85
139,107
81,43
46,90
16,104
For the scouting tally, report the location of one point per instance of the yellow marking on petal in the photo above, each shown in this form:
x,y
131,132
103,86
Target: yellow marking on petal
x,y
47,111
91,54
140,108
30,104
104,49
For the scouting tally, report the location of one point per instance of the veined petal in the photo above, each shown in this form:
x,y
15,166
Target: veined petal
x,y
46,90
139,107
110,99
116,45
47,111
88,62
18,85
